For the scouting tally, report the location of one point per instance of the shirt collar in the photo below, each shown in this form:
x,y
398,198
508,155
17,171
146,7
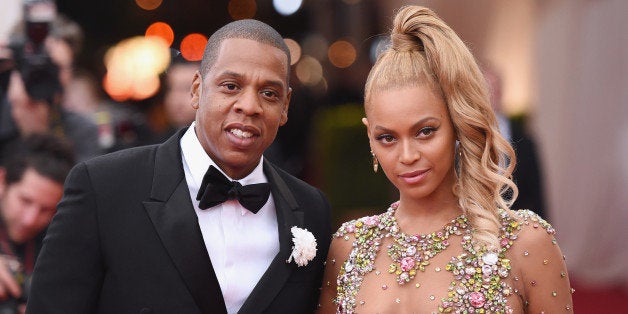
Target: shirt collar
x,y
198,161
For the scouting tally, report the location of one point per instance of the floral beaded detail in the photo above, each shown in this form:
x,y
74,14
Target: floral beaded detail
x,y
412,253
368,234
478,284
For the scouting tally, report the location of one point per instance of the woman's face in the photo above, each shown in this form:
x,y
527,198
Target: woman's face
x,y
412,135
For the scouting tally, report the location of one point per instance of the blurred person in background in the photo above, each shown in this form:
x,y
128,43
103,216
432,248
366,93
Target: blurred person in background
x,y
527,174
177,98
31,185
43,47
120,125
34,94
64,43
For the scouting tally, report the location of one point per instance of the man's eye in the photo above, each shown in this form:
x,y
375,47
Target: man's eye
x,y
270,94
230,86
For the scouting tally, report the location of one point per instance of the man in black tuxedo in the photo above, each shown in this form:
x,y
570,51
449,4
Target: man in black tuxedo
x,y
145,230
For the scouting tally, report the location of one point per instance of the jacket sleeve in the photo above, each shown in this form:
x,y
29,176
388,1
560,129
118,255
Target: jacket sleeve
x,y
69,271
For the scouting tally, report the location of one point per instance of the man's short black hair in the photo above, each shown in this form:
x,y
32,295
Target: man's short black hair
x,y
246,29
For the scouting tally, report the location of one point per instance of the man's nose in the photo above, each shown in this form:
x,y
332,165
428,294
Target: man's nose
x,y
248,103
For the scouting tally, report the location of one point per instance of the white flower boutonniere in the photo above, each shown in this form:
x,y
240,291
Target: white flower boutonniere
x,y
304,248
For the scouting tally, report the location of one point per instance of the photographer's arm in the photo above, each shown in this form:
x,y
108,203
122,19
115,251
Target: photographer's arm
x,y
68,272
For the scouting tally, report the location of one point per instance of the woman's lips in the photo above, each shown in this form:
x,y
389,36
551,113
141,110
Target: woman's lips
x,y
414,176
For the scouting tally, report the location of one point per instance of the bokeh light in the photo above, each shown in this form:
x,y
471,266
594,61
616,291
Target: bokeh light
x,y
287,7
295,50
342,54
378,45
162,30
192,46
146,87
316,46
242,9
133,67
148,5
309,71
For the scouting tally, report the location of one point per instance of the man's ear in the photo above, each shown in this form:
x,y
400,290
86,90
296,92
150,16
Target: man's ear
x,y
196,89
286,106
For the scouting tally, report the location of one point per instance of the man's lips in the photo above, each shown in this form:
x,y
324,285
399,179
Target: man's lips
x,y
414,176
241,135
241,130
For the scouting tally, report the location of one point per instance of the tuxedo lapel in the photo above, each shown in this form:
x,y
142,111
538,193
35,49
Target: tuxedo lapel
x,y
288,215
172,214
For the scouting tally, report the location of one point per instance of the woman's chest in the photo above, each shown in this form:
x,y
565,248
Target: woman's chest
x,y
393,278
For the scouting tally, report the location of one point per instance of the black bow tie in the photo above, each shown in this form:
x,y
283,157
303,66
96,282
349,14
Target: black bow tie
x,y
216,189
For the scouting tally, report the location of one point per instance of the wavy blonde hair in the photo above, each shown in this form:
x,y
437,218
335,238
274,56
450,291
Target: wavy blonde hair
x,y
425,51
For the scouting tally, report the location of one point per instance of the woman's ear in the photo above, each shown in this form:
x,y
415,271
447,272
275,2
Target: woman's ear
x,y
365,121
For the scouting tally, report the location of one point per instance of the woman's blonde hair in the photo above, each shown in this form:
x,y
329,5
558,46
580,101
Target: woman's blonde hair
x,y
425,51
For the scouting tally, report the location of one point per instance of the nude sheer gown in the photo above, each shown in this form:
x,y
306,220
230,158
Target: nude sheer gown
x,y
527,275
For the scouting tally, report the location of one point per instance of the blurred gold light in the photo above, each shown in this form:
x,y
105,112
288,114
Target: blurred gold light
x,y
146,87
242,9
316,46
116,87
148,4
193,46
342,54
133,67
162,30
295,50
309,71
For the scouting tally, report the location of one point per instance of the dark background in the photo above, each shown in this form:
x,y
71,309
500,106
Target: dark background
x,y
106,22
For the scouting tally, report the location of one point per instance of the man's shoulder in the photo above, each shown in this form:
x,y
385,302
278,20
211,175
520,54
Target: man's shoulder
x,y
129,163
291,180
124,156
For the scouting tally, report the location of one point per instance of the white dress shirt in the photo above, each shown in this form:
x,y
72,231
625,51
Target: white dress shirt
x,y
241,245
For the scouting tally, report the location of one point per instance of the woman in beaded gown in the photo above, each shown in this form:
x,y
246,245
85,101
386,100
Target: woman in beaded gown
x,y
450,244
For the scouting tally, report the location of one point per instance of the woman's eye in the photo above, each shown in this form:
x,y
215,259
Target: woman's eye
x,y
385,138
426,131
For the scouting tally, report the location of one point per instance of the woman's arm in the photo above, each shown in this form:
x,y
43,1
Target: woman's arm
x,y
338,254
541,265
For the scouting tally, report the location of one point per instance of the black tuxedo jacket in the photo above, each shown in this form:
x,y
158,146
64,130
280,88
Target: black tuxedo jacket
x,y
126,239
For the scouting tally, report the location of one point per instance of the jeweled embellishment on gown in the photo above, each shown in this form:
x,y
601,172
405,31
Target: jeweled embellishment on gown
x,y
478,284
412,253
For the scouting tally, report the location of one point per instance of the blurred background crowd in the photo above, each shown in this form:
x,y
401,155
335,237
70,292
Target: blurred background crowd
x,y
111,74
